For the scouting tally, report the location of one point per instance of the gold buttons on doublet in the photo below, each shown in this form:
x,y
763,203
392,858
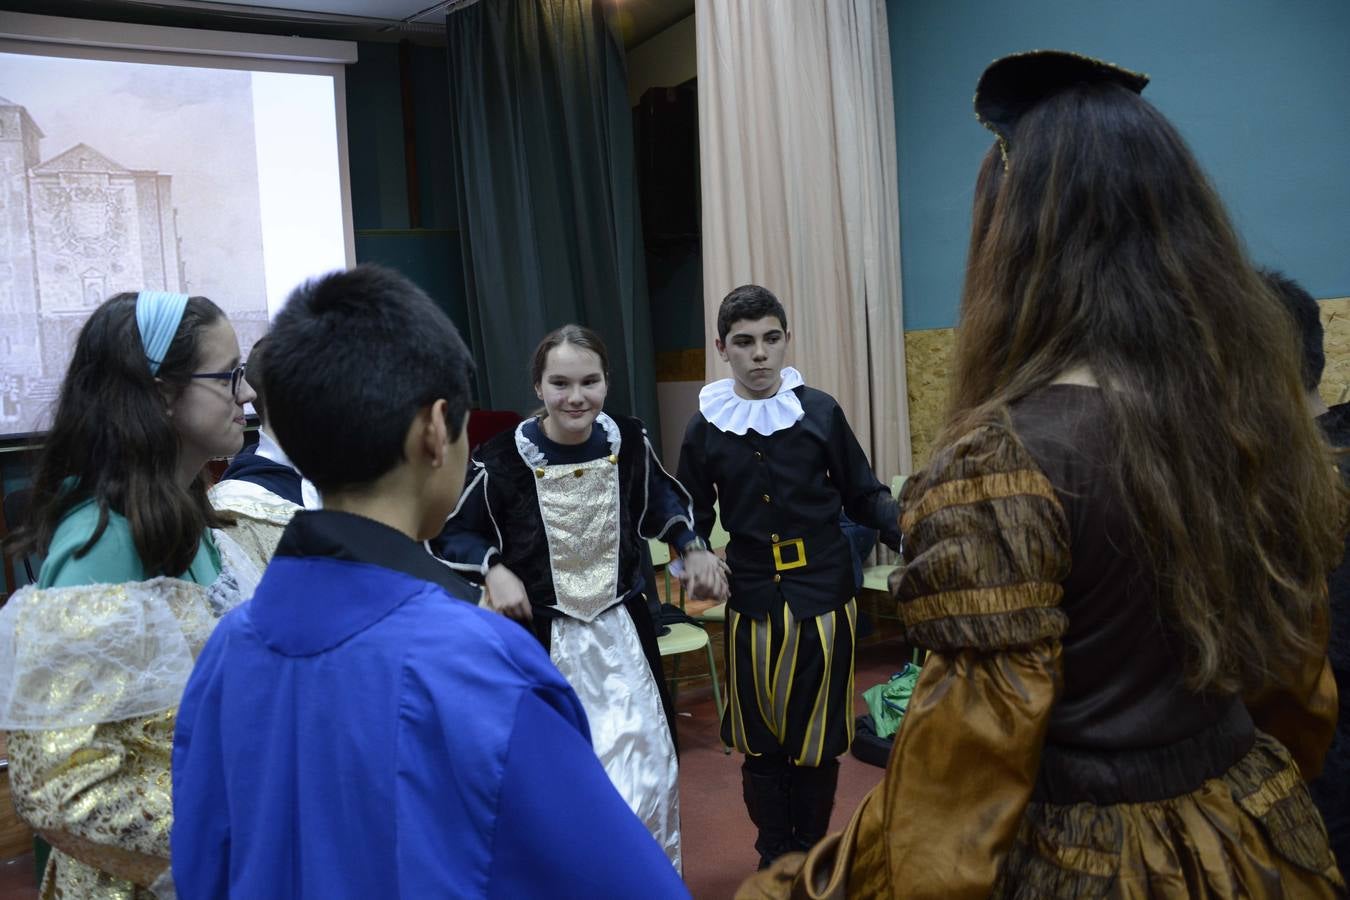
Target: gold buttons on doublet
x,y
579,472
777,578
766,498
774,538
538,473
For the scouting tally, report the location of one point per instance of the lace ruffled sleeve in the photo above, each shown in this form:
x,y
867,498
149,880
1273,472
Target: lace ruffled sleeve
x,y
98,653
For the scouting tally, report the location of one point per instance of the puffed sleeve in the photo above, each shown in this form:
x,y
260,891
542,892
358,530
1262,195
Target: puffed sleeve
x,y
470,538
99,793
986,550
258,539
669,511
90,678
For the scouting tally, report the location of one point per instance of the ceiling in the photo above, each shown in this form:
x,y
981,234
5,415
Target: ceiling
x,y
419,20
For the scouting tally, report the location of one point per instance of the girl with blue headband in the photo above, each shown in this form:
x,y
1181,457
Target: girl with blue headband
x,y
94,657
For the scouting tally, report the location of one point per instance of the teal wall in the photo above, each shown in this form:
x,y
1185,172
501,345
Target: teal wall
x,y
1257,87
429,254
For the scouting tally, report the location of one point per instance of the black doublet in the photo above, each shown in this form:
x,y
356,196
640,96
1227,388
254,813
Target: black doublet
x,y
781,487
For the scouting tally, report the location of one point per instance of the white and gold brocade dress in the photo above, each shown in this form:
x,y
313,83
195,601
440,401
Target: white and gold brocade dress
x,y
595,644
90,680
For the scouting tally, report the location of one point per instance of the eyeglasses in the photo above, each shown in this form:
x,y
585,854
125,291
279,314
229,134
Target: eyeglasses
x,y
235,376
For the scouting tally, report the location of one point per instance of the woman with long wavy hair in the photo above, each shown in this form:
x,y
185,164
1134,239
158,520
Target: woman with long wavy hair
x,y
1117,565
94,657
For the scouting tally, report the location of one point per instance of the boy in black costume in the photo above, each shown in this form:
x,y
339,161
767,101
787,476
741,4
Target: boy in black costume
x,y
780,460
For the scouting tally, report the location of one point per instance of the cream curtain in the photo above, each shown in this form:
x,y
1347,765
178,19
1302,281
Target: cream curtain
x,y
798,160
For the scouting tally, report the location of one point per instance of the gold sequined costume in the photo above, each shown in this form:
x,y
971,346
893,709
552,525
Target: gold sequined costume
x,y
260,516
90,678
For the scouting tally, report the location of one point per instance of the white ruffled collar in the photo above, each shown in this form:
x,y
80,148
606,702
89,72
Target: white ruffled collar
x,y
730,412
535,458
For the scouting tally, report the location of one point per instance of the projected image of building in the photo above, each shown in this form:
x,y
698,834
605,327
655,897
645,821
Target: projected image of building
x,y
164,171
75,228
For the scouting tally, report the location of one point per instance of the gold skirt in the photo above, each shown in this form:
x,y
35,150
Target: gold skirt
x,y
1251,832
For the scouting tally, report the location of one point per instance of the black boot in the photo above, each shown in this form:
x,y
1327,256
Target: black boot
x,y
766,799
812,802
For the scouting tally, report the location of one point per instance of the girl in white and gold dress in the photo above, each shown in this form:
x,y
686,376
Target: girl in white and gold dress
x,y
555,518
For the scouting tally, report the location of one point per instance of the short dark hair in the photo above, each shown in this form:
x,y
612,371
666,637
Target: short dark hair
x,y
255,370
1307,319
748,302
351,358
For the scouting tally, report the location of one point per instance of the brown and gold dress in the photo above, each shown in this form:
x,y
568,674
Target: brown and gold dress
x,y
1050,748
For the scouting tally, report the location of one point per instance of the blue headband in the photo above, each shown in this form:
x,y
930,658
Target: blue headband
x,y
158,314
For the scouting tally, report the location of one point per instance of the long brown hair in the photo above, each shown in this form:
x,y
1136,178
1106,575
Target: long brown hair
x,y
1104,245
576,335
112,441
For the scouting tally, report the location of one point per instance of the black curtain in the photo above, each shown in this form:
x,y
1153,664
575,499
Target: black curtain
x,y
549,219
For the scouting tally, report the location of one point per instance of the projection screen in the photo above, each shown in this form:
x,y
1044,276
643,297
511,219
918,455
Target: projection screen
x,y
134,157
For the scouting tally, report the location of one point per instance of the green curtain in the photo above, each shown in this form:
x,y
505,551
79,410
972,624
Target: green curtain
x,y
549,220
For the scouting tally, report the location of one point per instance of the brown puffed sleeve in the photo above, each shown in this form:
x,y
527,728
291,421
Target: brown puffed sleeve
x,y
986,550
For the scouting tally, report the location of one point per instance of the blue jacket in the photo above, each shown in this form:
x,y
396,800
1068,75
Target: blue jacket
x,y
356,731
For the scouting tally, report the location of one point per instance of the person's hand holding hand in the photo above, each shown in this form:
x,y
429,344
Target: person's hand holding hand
x,y
505,593
705,579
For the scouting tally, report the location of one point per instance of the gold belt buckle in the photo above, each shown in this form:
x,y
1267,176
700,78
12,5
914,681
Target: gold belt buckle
x,y
797,563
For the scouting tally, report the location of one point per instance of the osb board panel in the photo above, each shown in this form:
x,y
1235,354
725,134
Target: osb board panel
x,y
928,359
1335,387
928,356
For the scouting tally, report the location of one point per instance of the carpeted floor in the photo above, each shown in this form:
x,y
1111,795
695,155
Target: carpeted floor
x,y
718,837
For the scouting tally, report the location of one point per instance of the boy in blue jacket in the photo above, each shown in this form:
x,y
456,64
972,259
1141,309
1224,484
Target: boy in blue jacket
x,y
357,729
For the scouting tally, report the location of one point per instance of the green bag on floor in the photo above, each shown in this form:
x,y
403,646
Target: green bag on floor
x,y
887,702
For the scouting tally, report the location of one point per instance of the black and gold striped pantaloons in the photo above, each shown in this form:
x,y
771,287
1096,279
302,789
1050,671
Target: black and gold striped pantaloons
x,y
790,684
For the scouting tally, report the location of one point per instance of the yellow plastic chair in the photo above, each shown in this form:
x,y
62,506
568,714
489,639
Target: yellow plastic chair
x,y
683,637
718,540
877,578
